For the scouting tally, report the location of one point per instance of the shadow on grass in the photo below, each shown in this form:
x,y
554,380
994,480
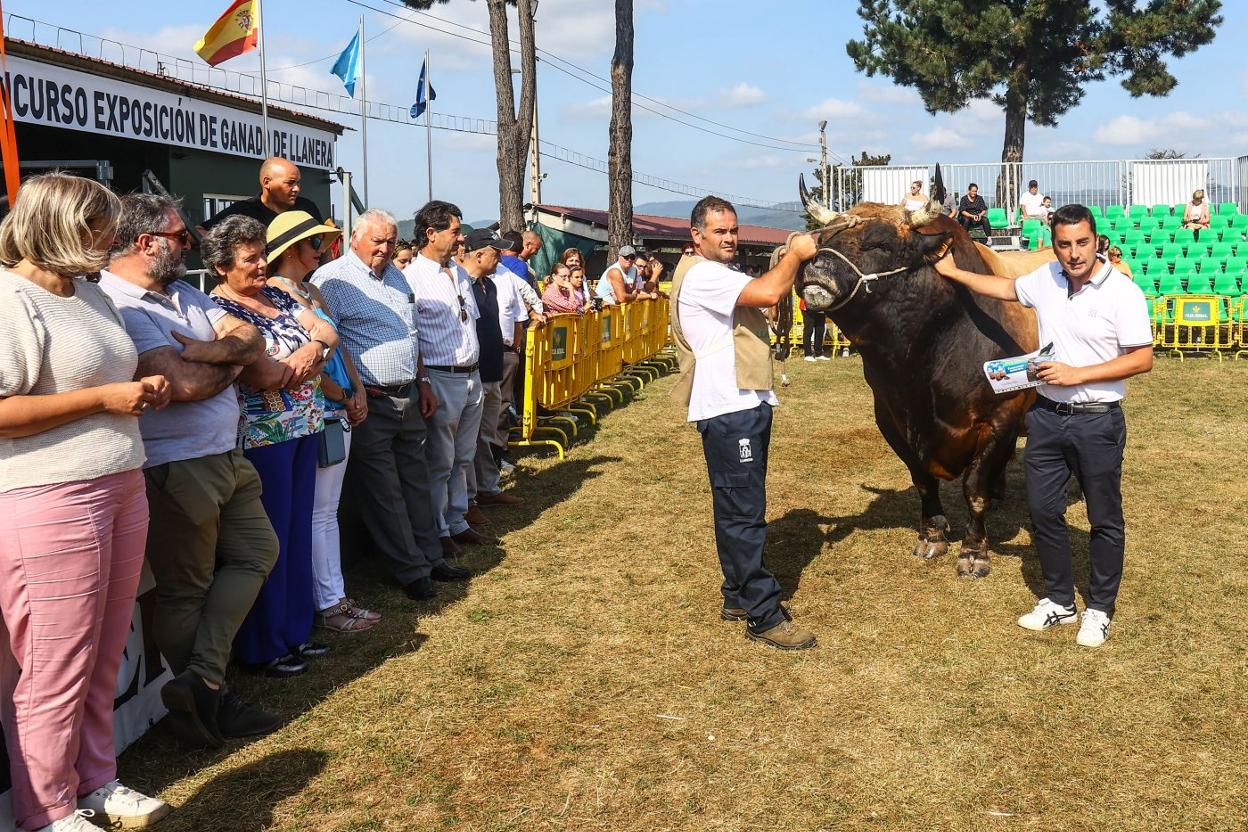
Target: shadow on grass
x,y
243,799
793,541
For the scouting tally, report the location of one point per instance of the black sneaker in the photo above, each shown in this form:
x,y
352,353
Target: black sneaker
x,y
284,667
240,718
446,572
421,589
193,710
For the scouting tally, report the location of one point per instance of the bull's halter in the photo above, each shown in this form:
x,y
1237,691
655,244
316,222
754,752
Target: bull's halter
x,y
864,280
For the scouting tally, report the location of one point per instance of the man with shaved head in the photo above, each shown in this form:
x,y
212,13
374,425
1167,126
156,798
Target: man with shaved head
x,y
279,193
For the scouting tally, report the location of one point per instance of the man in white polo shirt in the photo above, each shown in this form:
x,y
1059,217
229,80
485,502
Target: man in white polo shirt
x,y
1097,320
446,324
724,349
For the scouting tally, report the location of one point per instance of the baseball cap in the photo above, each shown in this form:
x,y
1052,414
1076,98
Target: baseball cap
x,y
628,251
483,237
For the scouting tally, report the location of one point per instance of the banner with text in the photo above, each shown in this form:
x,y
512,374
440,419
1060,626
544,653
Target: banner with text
x,y
58,96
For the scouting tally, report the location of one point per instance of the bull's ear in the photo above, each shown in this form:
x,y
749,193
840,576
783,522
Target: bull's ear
x,y
932,246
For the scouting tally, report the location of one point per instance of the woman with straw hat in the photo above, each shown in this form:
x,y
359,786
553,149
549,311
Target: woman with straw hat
x,y
295,243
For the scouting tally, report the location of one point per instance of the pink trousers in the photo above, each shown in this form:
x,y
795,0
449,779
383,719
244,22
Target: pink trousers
x,y
70,557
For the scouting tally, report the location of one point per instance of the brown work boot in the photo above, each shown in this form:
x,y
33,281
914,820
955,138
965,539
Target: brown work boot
x,y
498,498
786,635
476,517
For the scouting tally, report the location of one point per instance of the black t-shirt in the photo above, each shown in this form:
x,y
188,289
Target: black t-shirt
x,y
257,210
975,206
489,335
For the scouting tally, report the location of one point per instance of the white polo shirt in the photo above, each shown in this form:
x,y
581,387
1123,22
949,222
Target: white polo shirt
x,y
1098,323
1032,204
511,309
446,313
708,297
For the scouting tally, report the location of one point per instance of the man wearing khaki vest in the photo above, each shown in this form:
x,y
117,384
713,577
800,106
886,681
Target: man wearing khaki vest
x,y
725,378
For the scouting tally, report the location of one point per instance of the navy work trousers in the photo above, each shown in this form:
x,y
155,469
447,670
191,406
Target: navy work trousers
x,y
1090,446
735,445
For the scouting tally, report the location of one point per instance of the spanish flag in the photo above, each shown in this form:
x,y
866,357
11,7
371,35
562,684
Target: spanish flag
x,y
234,33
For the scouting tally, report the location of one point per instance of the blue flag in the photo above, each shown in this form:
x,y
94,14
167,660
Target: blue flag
x,y
347,67
418,109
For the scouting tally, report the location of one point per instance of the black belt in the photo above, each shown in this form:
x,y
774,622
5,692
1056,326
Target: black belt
x,y
467,368
1072,408
396,391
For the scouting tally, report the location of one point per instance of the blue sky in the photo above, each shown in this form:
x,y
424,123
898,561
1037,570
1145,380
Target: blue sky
x,y
771,69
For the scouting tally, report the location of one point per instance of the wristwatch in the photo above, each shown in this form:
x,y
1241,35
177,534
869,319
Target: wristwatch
x,y
424,380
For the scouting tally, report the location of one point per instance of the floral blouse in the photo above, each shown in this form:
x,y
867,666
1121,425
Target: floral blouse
x,y
273,416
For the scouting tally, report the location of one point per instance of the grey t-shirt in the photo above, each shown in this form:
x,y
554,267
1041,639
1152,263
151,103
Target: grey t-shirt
x,y
183,430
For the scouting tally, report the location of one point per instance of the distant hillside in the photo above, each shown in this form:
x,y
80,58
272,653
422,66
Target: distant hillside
x,y
775,217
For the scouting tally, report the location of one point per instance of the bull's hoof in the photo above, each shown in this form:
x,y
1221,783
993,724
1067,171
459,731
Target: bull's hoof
x,y
982,568
973,567
964,567
929,549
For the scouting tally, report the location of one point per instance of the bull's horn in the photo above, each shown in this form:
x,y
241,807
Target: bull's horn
x,y
926,214
822,215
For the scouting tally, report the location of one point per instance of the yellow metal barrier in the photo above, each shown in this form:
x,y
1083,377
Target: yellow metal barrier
x,y
1197,324
577,363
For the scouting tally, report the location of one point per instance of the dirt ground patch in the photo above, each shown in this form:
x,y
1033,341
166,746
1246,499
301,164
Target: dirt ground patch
x,y
583,680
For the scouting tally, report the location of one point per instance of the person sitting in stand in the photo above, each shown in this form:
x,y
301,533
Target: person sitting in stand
x,y
950,205
915,198
559,296
1032,203
1115,260
1196,214
973,211
1046,206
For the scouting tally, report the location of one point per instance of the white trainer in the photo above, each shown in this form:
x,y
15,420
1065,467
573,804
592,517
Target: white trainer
x,y
809,358
822,358
77,822
1048,614
1093,630
122,806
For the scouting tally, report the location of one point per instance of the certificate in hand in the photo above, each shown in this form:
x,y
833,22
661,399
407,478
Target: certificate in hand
x,y
1009,374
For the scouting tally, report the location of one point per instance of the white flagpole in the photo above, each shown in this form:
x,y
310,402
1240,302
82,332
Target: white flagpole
x,y
264,85
364,111
429,123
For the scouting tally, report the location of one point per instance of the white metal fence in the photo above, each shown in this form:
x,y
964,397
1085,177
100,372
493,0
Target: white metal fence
x,y
1088,182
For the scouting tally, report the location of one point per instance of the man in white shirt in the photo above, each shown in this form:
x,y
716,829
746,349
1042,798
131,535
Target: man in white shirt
x,y
1032,202
618,283
446,323
512,316
731,400
1096,318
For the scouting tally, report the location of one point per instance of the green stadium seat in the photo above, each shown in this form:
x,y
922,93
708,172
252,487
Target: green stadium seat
x,y
1132,238
1171,252
1148,224
1184,267
1199,285
996,218
1137,211
1157,237
1183,236
1239,221
1172,222
1237,265
1097,213
1160,210
1179,208
1154,266
1227,208
1031,227
1147,286
1170,284
1209,266
1221,250
1115,212
1228,285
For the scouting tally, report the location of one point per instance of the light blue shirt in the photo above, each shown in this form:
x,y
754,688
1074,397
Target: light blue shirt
x,y
183,430
376,318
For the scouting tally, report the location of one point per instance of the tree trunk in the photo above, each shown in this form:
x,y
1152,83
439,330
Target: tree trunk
x,y
513,126
1009,184
620,156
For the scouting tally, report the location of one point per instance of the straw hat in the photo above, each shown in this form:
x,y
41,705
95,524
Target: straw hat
x,y
292,226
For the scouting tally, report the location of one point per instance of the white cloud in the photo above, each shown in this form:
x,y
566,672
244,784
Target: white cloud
x,y
574,29
835,108
888,94
981,109
742,95
939,138
1172,128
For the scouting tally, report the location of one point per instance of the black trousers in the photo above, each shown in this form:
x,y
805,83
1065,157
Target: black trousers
x,y
1090,446
735,446
814,329
981,224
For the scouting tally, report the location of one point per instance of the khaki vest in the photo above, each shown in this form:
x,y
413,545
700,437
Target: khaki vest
x,y
751,343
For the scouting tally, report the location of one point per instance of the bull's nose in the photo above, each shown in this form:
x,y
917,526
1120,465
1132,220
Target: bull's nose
x,y
816,297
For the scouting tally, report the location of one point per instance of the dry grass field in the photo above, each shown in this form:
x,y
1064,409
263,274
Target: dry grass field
x,y
583,679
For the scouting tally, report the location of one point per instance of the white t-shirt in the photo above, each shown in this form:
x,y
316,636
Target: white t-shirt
x,y
1096,324
604,291
1032,204
511,310
708,297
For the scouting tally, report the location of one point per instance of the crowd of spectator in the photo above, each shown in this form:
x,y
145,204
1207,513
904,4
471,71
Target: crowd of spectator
x,y
221,437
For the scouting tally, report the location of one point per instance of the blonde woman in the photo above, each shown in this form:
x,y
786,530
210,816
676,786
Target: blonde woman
x,y
73,508
1115,260
1196,213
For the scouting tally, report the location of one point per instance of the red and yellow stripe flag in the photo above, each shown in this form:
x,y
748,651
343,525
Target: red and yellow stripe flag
x,y
234,33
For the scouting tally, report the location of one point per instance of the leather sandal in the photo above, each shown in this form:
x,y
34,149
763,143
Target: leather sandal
x,y
343,618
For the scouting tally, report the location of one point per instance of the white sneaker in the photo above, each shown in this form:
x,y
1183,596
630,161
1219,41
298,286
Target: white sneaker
x,y
122,806
822,358
809,358
1047,614
1094,629
77,822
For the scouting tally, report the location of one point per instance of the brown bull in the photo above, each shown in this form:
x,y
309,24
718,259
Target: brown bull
x,y
924,341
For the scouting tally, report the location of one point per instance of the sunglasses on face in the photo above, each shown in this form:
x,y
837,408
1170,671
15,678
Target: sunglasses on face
x,y
316,242
182,236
